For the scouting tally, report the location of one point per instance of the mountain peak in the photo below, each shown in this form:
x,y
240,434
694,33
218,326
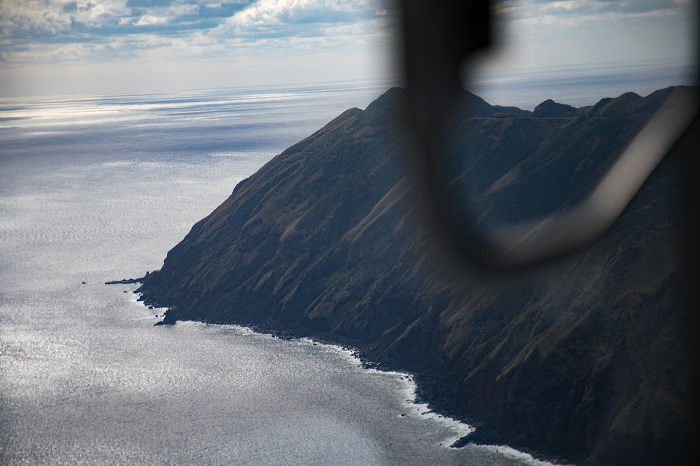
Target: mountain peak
x,y
552,109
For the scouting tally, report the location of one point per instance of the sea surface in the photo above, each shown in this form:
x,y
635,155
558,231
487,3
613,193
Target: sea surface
x,y
99,188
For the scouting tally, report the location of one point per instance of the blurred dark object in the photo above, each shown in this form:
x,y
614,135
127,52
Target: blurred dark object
x,y
437,39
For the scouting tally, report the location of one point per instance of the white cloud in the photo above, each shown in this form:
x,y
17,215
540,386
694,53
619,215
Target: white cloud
x,y
286,16
592,8
83,24
148,20
569,5
537,17
56,16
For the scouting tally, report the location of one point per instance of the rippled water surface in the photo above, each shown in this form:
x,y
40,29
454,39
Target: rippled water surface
x,y
97,189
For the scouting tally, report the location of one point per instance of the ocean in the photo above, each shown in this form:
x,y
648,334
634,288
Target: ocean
x,y
99,188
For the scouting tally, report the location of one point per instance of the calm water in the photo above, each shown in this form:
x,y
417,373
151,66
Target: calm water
x,y
96,189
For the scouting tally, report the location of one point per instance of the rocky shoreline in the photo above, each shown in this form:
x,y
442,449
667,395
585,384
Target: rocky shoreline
x,y
428,390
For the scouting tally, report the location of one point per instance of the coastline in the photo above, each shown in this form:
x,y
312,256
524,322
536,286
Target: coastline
x,y
428,399
325,242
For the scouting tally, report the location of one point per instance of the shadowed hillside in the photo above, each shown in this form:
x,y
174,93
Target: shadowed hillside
x,y
583,360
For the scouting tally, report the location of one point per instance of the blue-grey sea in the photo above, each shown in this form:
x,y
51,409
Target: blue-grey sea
x,y
99,188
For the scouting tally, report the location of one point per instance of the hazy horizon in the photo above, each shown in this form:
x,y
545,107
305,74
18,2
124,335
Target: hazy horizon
x,y
76,47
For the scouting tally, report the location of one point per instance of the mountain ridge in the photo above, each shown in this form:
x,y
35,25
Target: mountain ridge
x,y
326,240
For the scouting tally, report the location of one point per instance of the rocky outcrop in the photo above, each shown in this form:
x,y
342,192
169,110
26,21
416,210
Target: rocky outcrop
x,y
583,359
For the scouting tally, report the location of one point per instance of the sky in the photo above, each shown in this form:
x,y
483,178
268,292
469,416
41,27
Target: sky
x,y
63,47
539,33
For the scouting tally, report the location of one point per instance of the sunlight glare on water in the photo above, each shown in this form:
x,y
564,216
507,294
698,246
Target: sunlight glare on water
x,y
86,377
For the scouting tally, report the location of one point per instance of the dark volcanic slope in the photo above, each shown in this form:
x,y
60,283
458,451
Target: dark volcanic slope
x,y
583,360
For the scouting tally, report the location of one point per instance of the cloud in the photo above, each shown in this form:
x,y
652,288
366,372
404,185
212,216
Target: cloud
x,y
532,34
148,20
277,12
539,16
295,18
248,40
53,17
589,8
34,30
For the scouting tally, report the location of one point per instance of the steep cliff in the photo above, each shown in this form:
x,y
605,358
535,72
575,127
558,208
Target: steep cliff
x,y
583,359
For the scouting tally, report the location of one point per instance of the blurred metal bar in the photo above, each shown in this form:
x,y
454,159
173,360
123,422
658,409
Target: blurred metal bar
x,y
438,36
